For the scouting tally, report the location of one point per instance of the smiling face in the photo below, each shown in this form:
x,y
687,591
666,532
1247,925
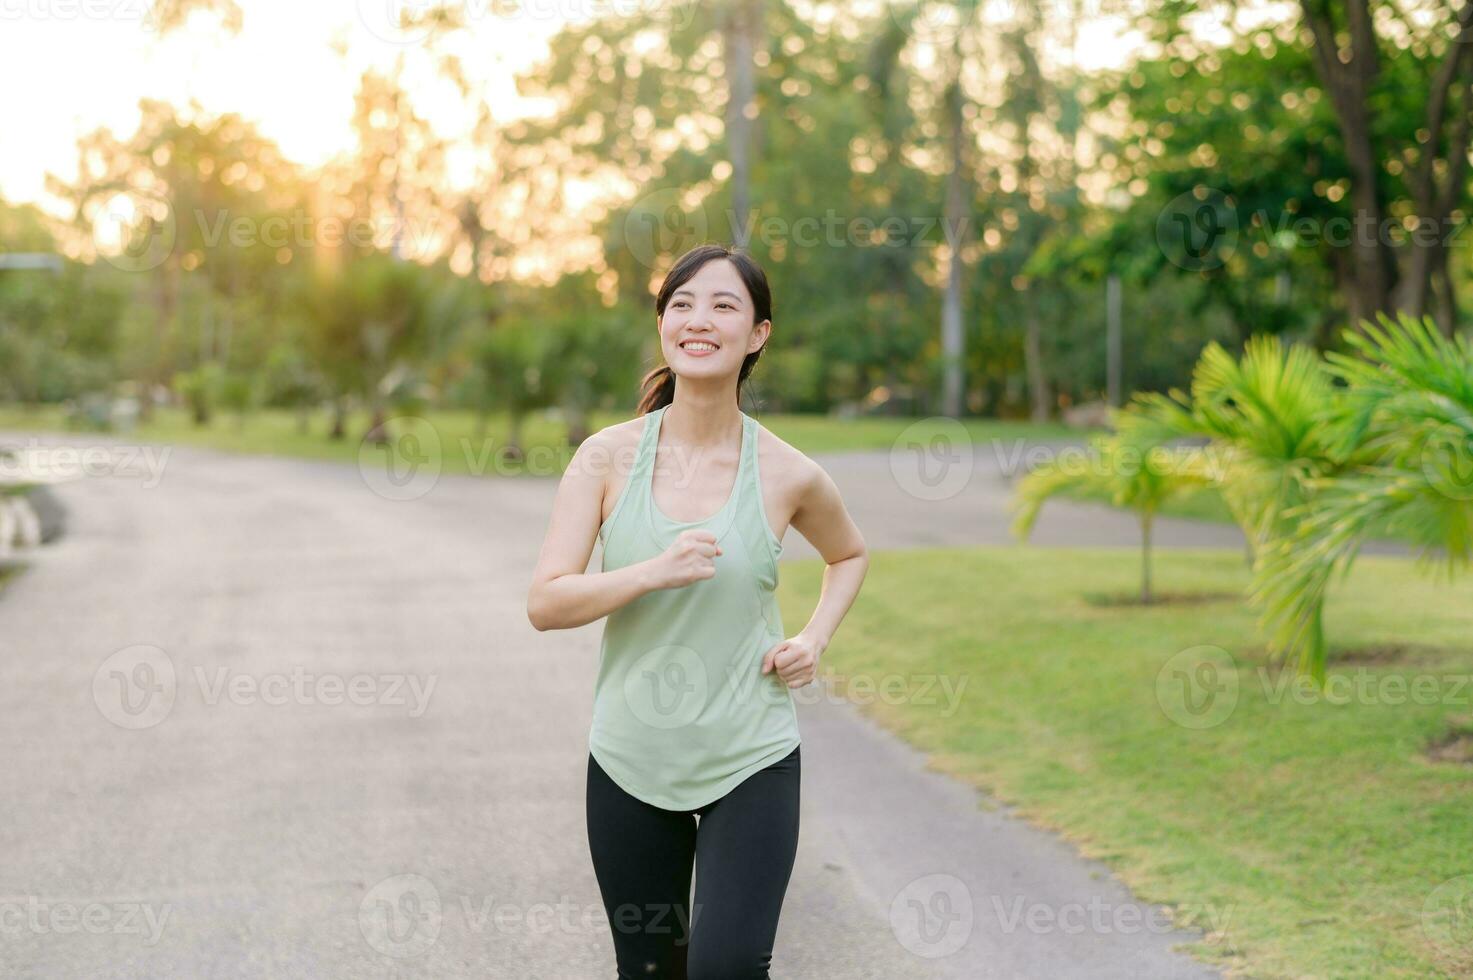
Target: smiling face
x,y
707,329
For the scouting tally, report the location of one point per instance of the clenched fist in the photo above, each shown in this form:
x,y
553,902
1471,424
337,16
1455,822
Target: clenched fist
x,y
795,660
690,558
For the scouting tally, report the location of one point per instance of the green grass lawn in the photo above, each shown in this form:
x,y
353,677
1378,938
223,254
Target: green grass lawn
x,y
1318,830
465,448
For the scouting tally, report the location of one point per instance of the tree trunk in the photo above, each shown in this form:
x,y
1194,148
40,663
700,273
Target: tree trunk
x,y
952,341
1347,76
1445,297
1038,386
166,301
1435,199
514,437
740,35
378,428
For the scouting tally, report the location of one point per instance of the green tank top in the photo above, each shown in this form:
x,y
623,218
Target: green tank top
x,y
682,712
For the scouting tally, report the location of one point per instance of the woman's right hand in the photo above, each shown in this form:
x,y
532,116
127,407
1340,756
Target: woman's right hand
x,y
689,558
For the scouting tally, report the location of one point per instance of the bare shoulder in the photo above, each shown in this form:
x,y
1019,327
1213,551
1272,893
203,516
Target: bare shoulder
x,y
802,495
788,475
619,436
608,455
609,444
782,463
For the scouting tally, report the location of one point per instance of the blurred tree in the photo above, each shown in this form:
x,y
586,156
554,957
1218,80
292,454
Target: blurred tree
x,y
1399,81
1133,467
188,196
741,34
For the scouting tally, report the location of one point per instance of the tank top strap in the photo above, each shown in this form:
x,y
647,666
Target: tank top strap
x,y
641,475
753,509
747,471
633,497
644,455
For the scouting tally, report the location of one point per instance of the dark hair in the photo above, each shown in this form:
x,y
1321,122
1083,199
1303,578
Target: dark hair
x,y
658,387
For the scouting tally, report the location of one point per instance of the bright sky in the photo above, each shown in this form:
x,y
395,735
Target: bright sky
x,y
69,66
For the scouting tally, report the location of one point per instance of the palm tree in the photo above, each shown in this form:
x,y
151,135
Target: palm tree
x,y
1134,469
1404,434
1267,415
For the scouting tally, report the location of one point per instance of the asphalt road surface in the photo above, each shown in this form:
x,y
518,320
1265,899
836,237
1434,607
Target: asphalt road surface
x,y
262,720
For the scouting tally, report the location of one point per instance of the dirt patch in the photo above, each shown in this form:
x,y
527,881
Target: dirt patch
x,y
1455,747
1112,599
1388,653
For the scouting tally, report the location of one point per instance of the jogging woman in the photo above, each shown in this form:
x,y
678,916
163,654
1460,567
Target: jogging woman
x,y
694,750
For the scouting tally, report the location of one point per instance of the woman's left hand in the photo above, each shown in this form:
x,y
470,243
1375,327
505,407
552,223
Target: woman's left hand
x,y
795,660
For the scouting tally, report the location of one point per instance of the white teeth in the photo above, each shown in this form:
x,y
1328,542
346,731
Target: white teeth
x,y
698,345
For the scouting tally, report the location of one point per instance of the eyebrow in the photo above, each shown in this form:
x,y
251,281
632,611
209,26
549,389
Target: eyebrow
x,y
719,292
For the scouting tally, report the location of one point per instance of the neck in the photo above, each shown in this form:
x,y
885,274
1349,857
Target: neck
x,y
703,418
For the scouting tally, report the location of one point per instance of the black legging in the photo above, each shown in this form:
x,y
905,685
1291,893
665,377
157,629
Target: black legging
x,y
742,847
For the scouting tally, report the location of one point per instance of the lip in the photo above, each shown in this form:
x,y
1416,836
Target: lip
x,y
697,353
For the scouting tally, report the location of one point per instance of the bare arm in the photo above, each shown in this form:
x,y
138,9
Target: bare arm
x,y
563,595
822,519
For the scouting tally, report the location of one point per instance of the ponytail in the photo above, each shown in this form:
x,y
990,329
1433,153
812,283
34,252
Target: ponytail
x,y
657,389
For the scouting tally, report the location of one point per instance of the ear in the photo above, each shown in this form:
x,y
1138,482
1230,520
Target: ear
x,y
760,333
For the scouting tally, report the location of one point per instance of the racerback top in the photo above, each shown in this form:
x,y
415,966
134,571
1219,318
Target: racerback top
x,y
682,711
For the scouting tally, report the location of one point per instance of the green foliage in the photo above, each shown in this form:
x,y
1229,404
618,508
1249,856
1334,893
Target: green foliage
x,y
1267,415
1133,466
1309,467
237,393
1067,178
201,388
1404,434
288,379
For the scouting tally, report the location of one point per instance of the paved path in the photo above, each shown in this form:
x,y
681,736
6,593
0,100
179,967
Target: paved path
x,y
180,803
